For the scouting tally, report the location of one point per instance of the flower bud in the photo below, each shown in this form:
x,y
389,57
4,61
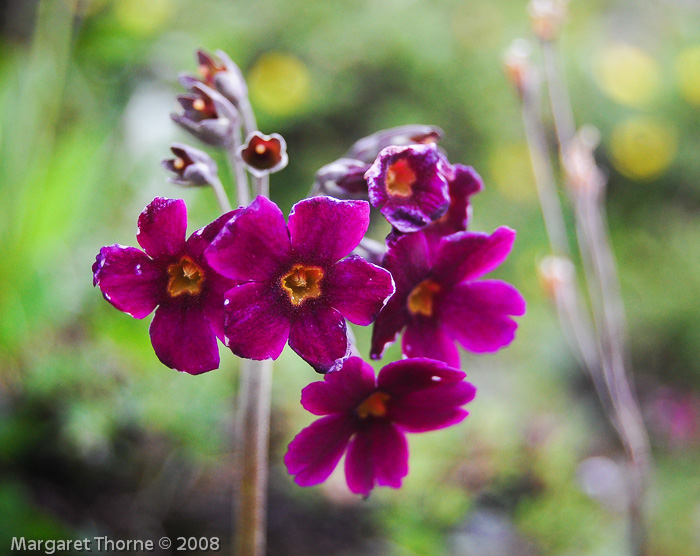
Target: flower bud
x,y
582,172
191,166
208,116
555,273
264,154
218,72
517,66
368,148
547,18
343,178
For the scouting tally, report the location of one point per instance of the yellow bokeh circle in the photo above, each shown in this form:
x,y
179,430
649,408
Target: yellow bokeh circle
x,y
628,75
688,72
279,83
643,147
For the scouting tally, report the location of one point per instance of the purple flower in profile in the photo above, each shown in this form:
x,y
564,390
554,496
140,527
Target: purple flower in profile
x,y
439,300
408,185
173,276
368,417
295,285
207,115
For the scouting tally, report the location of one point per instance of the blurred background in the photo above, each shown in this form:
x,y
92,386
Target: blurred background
x,y
98,438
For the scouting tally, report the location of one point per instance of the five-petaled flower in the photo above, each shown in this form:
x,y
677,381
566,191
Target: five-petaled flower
x,y
173,276
408,185
439,300
368,417
293,284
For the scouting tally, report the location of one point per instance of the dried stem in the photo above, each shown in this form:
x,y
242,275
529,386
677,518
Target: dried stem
x,y
587,187
252,442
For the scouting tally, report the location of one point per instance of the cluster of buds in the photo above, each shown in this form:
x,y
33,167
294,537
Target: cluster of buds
x,y
258,282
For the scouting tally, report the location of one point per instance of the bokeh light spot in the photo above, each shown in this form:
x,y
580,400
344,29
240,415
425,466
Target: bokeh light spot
x,y
511,171
628,75
142,18
279,83
643,147
688,72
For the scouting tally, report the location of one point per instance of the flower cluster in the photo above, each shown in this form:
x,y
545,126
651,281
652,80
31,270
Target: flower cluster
x,y
257,282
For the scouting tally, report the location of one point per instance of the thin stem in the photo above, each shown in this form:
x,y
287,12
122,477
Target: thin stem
x,y
262,185
564,124
252,442
542,168
236,164
246,110
220,193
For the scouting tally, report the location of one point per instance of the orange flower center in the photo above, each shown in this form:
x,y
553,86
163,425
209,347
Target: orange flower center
x,y
186,277
400,178
420,300
374,405
302,282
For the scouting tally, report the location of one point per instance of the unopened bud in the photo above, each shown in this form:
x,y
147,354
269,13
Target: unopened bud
x,y
555,273
582,172
343,178
368,148
517,66
547,18
191,166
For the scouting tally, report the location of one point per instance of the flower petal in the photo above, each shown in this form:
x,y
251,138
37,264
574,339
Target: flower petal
x,y
313,453
469,255
162,227
319,336
389,323
478,314
425,338
463,183
358,289
324,229
202,238
412,375
341,391
253,245
408,258
182,338
129,279
256,321
433,408
377,455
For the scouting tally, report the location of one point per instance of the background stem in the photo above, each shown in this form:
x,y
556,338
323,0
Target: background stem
x,y
251,456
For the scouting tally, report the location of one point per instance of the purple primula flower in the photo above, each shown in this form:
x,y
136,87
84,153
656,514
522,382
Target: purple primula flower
x,y
439,300
264,154
296,287
408,185
173,276
368,417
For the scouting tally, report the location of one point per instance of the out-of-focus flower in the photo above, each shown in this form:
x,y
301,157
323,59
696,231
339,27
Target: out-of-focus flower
x,y
368,416
173,276
208,116
408,185
190,166
368,148
439,300
582,172
264,154
627,74
643,147
295,285
218,72
688,72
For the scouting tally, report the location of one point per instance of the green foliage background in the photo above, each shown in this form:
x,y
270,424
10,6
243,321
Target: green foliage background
x,y
96,437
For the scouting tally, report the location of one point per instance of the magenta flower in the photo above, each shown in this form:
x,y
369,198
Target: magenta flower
x,y
463,182
296,287
408,185
439,300
368,417
173,276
